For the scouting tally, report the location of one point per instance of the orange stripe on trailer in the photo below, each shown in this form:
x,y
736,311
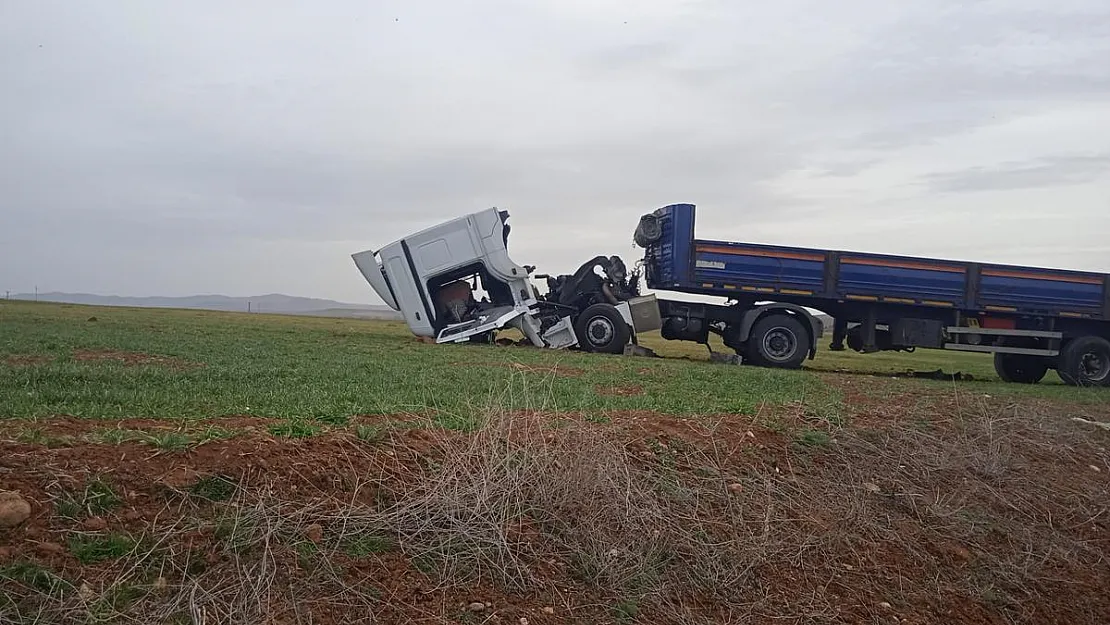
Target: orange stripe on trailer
x,y
934,302
748,251
1001,308
1071,314
731,287
1028,275
864,298
900,264
795,292
899,300
707,285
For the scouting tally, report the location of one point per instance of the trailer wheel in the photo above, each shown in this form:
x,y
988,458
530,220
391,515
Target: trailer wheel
x,y
602,329
1085,361
1020,369
778,341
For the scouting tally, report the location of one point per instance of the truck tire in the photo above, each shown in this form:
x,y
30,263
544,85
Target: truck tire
x,y
602,329
1020,369
779,341
1085,361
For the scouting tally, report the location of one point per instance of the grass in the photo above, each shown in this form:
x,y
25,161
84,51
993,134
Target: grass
x,y
32,576
367,544
294,429
169,441
214,488
90,549
97,497
370,433
326,370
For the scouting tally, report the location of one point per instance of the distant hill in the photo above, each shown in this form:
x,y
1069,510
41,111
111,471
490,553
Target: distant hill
x,y
272,303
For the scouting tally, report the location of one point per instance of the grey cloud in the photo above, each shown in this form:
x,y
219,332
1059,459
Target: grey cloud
x,y
263,143
1046,172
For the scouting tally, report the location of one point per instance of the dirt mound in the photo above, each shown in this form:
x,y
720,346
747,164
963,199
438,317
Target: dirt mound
x,y
982,517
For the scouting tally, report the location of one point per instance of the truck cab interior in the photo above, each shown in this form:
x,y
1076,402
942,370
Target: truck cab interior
x,y
460,294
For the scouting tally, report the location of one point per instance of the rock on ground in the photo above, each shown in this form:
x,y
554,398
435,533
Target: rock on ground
x,y
13,509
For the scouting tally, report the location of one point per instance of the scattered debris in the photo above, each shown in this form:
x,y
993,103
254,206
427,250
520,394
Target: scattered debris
x,y
939,374
549,610
872,488
477,606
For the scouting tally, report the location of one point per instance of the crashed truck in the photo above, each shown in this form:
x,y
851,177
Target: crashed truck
x,y
455,283
1030,319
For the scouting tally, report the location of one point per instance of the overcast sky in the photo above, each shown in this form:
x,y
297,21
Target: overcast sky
x,y
174,148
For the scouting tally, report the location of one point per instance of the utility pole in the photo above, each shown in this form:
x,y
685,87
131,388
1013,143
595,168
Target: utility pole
x,y
248,305
36,292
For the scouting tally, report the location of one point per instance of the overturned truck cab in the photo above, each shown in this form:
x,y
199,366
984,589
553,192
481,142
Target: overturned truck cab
x,y
455,282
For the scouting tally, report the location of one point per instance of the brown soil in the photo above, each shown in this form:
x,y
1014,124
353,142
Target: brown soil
x,y
133,359
921,510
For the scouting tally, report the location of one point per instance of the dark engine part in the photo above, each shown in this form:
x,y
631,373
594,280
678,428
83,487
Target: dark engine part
x,y
648,231
585,287
685,329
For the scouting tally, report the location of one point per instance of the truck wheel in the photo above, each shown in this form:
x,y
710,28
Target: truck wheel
x,y
1020,369
602,329
779,341
1085,361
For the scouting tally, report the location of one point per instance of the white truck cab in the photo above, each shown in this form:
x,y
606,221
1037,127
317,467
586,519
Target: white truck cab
x,y
435,277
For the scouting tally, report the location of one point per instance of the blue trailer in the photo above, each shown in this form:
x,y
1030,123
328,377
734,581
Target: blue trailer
x,y
1031,319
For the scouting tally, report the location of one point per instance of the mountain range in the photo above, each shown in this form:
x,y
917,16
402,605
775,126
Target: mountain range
x,y
272,303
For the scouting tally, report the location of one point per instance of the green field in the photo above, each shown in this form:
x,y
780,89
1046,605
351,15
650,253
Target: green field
x,y
58,359
160,464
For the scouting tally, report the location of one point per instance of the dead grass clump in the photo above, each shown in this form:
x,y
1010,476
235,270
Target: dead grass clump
x,y
514,496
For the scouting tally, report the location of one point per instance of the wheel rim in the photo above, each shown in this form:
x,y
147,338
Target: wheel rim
x,y
780,344
1094,366
600,331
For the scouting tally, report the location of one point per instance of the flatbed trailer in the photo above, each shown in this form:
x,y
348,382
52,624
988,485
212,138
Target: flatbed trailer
x,y
1032,319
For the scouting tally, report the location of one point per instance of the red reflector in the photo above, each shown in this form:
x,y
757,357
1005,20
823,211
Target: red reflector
x,y
998,323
